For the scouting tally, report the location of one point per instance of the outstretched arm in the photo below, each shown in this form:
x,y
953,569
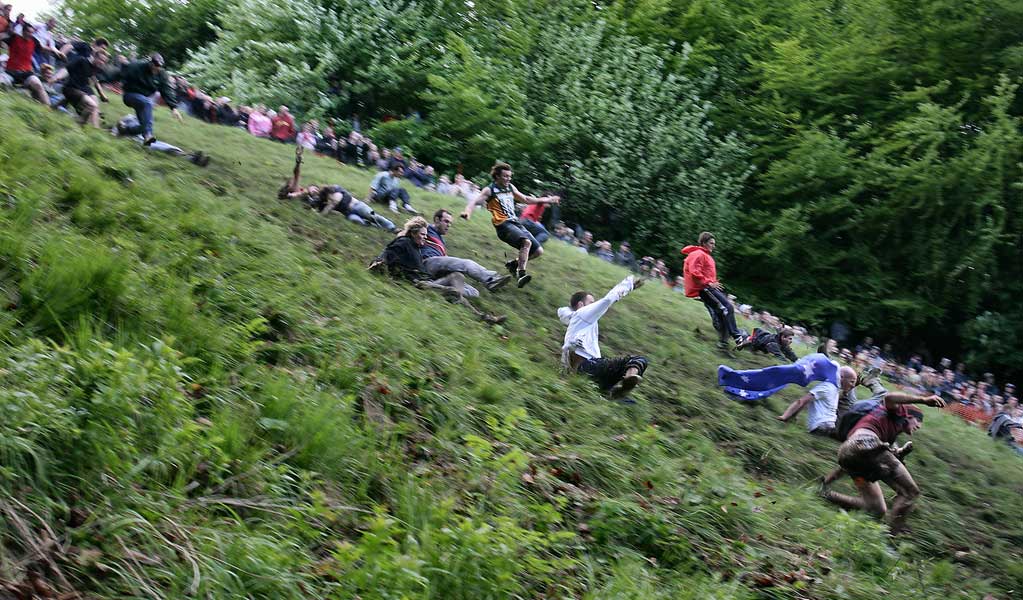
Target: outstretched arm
x,y
526,199
297,172
795,408
592,312
893,399
480,198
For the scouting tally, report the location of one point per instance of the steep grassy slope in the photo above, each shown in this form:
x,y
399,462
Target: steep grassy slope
x,y
205,394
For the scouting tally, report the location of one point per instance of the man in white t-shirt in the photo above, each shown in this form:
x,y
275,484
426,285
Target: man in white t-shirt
x,y
826,402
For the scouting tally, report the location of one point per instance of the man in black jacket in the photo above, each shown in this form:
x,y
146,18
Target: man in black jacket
x,y
142,79
779,344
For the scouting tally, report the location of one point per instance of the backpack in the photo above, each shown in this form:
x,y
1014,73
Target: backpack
x,y
851,417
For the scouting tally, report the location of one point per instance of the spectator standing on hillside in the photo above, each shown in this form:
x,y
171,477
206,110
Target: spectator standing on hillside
x,y
438,263
282,126
500,197
79,85
701,281
385,188
142,79
869,455
580,352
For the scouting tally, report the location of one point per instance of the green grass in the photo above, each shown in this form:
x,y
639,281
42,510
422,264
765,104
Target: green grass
x,y
204,393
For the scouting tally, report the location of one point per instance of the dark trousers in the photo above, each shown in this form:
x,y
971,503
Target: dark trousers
x,y
539,232
606,372
143,106
397,194
721,311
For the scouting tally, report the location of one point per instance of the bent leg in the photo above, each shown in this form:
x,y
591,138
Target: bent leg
x,y
871,498
906,493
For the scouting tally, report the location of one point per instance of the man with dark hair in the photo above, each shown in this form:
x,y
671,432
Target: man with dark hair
x,y
580,353
438,263
777,344
328,198
701,281
19,62
79,85
403,259
500,198
142,79
386,188
869,455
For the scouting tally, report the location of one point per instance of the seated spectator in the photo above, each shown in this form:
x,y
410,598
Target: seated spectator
x,y
78,87
564,233
327,143
585,242
402,258
625,257
282,128
444,186
384,161
386,189
307,137
259,123
226,115
418,176
680,287
604,251
19,62
328,198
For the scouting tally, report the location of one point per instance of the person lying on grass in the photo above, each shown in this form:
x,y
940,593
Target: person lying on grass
x,y
580,352
777,344
402,259
328,198
869,454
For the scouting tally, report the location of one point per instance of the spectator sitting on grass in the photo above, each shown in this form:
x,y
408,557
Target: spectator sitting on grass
x,y
306,138
327,144
19,62
259,123
403,259
604,251
583,243
625,257
386,188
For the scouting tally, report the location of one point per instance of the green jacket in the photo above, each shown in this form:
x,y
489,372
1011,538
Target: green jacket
x,y
138,78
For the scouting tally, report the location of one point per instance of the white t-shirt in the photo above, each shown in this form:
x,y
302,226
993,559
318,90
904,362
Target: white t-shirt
x,y
823,410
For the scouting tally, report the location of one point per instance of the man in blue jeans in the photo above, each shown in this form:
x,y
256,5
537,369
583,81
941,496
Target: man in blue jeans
x,y
142,79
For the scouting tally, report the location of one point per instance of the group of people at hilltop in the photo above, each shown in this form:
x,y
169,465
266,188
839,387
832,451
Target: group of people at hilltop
x,y
418,253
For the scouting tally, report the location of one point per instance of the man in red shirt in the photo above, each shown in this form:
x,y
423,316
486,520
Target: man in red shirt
x,y
532,220
869,454
700,279
282,127
19,62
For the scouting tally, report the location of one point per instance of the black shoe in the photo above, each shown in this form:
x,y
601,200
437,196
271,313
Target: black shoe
x,y
498,282
524,278
148,141
512,265
626,385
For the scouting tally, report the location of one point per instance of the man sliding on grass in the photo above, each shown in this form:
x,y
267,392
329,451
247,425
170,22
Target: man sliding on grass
x,y
826,402
581,350
869,455
500,197
330,198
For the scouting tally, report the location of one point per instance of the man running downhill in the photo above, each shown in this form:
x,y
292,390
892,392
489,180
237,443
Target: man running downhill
x,y
500,197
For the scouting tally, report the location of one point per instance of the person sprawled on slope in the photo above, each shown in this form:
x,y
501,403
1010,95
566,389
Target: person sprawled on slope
x,y
500,197
402,259
777,344
869,454
328,198
580,352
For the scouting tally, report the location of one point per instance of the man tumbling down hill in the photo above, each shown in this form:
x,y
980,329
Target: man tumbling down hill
x,y
581,350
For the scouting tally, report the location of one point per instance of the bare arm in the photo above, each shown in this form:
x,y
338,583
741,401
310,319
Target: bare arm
x,y
99,89
795,408
526,199
480,198
893,399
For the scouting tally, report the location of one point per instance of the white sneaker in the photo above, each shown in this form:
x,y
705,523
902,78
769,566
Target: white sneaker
x,y
393,206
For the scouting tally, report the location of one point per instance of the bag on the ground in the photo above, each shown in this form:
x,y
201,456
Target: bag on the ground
x,y
856,412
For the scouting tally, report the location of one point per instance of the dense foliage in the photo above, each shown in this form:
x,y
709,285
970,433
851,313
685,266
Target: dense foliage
x,y
204,394
884,135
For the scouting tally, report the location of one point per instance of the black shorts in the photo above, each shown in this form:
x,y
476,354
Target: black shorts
x,y
20,77
75,96
606,372
513,233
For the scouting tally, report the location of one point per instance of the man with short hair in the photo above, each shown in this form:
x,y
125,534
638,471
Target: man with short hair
x,y
826,402
580,352
19,62
777,344
438,263
869,454
500,198
701,281
386,188
142,79
78,87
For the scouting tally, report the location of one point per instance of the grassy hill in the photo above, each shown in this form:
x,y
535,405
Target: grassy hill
x,y
204,394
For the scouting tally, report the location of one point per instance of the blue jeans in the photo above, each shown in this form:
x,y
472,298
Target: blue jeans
x,y
143,106
539,232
